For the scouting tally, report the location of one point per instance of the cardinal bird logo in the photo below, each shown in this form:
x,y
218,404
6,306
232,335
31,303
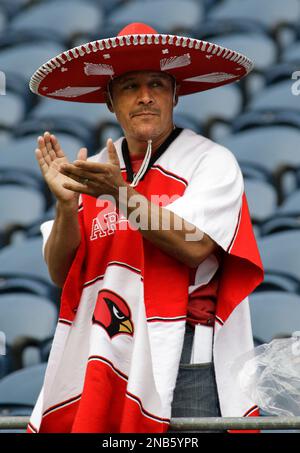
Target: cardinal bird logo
x,y
113,314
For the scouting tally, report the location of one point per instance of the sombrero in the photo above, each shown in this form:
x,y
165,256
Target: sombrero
x,y
82,73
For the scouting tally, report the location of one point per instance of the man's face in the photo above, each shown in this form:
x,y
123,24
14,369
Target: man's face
x,y
143,104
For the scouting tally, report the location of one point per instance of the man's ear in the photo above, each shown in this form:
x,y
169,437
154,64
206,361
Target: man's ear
x,y
175,102
108,103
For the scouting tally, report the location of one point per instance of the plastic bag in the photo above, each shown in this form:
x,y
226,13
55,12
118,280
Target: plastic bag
x,y
270,375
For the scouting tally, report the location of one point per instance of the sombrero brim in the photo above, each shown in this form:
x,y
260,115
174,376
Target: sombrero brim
x,y
81,74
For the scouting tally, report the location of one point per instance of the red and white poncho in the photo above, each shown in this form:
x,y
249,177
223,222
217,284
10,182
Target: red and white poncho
x,y
117,346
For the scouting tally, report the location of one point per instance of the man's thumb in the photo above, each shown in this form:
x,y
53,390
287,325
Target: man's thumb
x,y
113,157
82,154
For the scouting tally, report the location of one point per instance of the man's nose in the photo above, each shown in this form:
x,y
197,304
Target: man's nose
x,y
145,96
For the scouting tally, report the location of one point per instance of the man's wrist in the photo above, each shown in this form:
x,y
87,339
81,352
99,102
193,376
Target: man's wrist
x,y
66,207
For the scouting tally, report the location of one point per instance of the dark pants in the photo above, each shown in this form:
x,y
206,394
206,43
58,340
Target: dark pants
x,y
196,391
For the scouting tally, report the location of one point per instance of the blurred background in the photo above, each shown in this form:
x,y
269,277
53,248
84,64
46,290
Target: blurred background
x,y
258,119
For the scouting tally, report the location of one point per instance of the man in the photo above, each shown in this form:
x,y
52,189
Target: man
x,y
152,239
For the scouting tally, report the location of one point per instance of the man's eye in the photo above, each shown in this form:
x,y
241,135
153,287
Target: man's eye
x,y
129,87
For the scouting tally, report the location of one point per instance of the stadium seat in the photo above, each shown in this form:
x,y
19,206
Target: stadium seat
x,y
259,47
109,5
278,223
9,38
20,205
67,126
166,16
20,177
291,205
269,117
24,259
291,53
280,253
281,71
262,199
6,361
286,175
12,8
270,147
276,96
274,314
254,171
227,26
20,389
18,85
286,216
12,110
107,30
92,113
5,137
285,179
20,153
225,102
10,283
22,268
66,18
210,3
2,19
25,317
186,121
247,36
106,130
29,56
34,229
271,15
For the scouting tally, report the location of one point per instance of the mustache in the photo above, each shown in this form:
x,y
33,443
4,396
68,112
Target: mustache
x,y
145,111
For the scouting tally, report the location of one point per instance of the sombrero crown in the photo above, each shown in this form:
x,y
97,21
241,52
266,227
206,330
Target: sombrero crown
x,y
81,74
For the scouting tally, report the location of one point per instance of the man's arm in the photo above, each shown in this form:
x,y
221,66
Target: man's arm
x,y
62,243
64,238
166,230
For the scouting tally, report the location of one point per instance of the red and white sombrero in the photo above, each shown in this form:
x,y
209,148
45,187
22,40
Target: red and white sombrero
x,y
81,74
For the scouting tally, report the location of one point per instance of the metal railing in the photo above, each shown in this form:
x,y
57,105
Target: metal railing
x,y
197,424
233,423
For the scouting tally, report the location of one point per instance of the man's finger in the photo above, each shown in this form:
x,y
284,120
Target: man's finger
x,y
113,157
56,146
76,173
76,187
41,161
93,167
43,149
48,143
50,149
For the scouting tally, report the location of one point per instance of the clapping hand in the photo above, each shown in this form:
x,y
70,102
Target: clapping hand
x,y
51,157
